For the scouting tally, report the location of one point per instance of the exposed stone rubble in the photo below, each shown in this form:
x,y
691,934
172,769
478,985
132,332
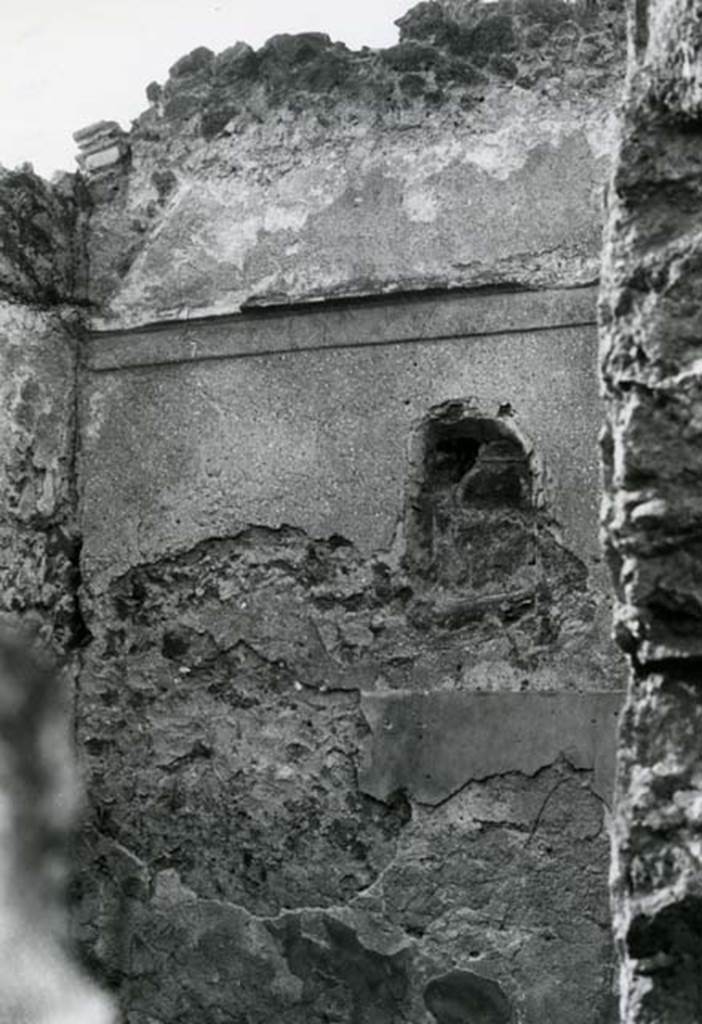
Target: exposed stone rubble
x,y
442,55
650,314
233,838
39,538
388,954
42,281
283,821
282,161
42,261
350,719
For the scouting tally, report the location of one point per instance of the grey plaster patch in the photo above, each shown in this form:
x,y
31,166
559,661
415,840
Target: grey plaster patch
x,y
430,745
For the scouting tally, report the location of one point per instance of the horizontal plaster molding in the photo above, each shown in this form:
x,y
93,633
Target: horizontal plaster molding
x,y
354,324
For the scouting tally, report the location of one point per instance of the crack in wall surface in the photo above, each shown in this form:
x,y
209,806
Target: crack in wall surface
x,y
221,709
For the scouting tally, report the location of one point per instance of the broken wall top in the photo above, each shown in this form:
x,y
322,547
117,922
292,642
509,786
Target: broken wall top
x,y
41,242
471,153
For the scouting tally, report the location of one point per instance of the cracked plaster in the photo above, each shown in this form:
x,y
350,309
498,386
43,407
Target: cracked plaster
x,y
400,187
232,866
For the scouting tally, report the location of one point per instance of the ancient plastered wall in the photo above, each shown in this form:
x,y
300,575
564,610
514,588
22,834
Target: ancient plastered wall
x,y
651,323
297,772
349,704
473,152
313,428
370,213
40,275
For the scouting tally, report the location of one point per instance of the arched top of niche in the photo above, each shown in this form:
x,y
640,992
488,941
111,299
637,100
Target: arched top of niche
x,y
453,438
474,483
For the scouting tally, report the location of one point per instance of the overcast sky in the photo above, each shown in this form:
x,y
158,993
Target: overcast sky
x,y
66,64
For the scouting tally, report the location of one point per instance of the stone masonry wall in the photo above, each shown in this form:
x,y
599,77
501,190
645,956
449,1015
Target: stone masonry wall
x,y
350,759
347,700
40,285
281,823
474,152
650,334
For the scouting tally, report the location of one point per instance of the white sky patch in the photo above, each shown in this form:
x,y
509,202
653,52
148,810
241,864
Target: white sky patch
x,y
65,65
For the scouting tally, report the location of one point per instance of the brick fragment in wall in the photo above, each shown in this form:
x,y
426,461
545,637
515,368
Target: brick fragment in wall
x,y
220,711
39,539
39,984
102,147
653,454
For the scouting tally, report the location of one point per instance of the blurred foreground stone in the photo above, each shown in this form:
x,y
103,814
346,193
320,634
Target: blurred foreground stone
x,y
651,323
39,791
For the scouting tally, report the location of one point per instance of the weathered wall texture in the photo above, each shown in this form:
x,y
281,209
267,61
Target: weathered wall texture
x,y
472,152
320,437
39,543
40,282
349,704
345,694
650,333
286,821
42,250
40,273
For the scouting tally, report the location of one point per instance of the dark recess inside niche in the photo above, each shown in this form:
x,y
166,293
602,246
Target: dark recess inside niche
x,y
472,477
